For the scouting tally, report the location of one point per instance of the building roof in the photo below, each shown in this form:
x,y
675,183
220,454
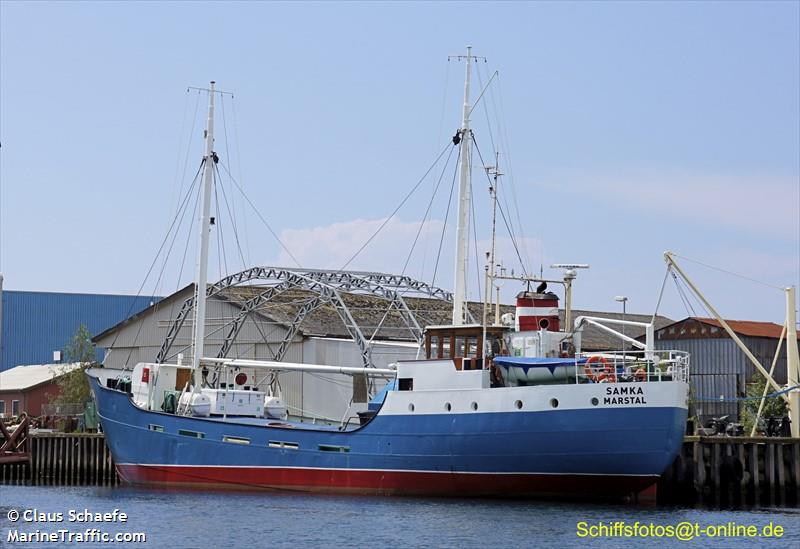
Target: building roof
x,y
374,316
749,328
22,378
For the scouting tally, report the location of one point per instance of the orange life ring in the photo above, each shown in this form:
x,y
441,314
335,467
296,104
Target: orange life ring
x,y
604,373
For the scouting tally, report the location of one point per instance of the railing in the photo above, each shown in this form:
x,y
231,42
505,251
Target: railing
x,y
633,366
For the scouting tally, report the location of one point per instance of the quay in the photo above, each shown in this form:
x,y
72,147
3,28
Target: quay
x,y
718,471
733,471
60,459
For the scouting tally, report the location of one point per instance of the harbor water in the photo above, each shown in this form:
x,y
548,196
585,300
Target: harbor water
x,y
187,519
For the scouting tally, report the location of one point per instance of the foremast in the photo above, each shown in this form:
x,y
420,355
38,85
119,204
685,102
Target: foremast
x,y
464,204
201,272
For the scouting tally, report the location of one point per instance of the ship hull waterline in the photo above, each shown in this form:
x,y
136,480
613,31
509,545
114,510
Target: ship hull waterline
x,y
571,454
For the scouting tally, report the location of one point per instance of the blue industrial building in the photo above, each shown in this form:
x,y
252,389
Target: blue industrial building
x,y
36,324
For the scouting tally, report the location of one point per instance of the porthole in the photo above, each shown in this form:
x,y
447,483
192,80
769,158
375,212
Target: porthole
x,y
447,406
518,404
411,407
595,402
554,402
474,406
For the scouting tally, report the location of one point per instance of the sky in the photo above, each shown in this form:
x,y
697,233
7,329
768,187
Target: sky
x,y
623,130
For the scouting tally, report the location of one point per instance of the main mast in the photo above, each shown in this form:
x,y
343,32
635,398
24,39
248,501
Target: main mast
x,y
464,199
201,274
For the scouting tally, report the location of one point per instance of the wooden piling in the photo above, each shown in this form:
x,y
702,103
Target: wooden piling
x,y
64,459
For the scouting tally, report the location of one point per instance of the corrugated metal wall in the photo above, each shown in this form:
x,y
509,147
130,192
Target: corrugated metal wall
x,y
308,394
37,323
713,386
328,396
720,368
142,338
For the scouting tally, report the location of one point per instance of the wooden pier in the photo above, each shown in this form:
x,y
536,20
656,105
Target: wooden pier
x,y
734,471
63,459
719,471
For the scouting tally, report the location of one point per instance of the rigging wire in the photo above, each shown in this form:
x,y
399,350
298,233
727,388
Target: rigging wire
x,y
221,253
485,109
230,214
444,101
153,264
475,243
660,294
502,214
402,203
189,142
258,213
195,210
730,273
505,140
239,168
744,399
446,217
428,210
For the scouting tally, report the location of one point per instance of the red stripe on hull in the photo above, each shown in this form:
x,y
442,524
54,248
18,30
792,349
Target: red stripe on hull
x,y
385,482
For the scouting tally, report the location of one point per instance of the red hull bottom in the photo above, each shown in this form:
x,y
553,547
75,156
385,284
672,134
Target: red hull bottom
x,y
376,482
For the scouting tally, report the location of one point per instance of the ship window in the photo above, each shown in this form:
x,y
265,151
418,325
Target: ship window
x,y
554,402
544,324
333,448
406,384
459,350
282,444
411,407
595,402
156,428
434,346
446,348
448,406
187,433
236,440
472,347
518,404
474,406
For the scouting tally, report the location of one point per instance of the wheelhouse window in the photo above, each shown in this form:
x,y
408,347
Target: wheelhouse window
x,y
434,346
462,344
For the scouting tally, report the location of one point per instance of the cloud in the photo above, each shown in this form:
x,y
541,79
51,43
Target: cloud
x,y
331,246
763,205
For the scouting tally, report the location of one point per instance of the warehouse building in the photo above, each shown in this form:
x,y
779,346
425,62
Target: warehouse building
x,y
37,326
28,388
354,324
719,370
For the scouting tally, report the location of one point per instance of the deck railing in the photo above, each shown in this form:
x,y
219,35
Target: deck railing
x,y
638,366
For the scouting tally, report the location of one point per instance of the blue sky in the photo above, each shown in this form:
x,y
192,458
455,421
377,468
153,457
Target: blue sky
x,y
629,128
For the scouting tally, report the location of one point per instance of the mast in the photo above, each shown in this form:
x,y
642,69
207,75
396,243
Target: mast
x,y
201,274
792,360
464,199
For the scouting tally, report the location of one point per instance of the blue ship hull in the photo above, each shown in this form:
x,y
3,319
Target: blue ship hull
x,y
572,453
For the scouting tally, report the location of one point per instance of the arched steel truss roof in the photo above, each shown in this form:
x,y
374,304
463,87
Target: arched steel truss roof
x,y
328,287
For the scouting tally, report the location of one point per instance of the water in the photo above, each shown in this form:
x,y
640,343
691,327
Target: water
x,y
189,519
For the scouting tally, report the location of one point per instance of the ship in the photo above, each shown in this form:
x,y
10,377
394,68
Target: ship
x,y
507,408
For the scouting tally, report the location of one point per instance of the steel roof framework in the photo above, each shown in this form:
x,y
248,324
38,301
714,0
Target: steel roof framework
x,y
328,285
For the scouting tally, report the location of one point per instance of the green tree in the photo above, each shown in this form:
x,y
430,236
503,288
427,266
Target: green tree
x,y
774,406
73,384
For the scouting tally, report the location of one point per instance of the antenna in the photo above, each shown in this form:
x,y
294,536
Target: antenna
x,y
569,276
